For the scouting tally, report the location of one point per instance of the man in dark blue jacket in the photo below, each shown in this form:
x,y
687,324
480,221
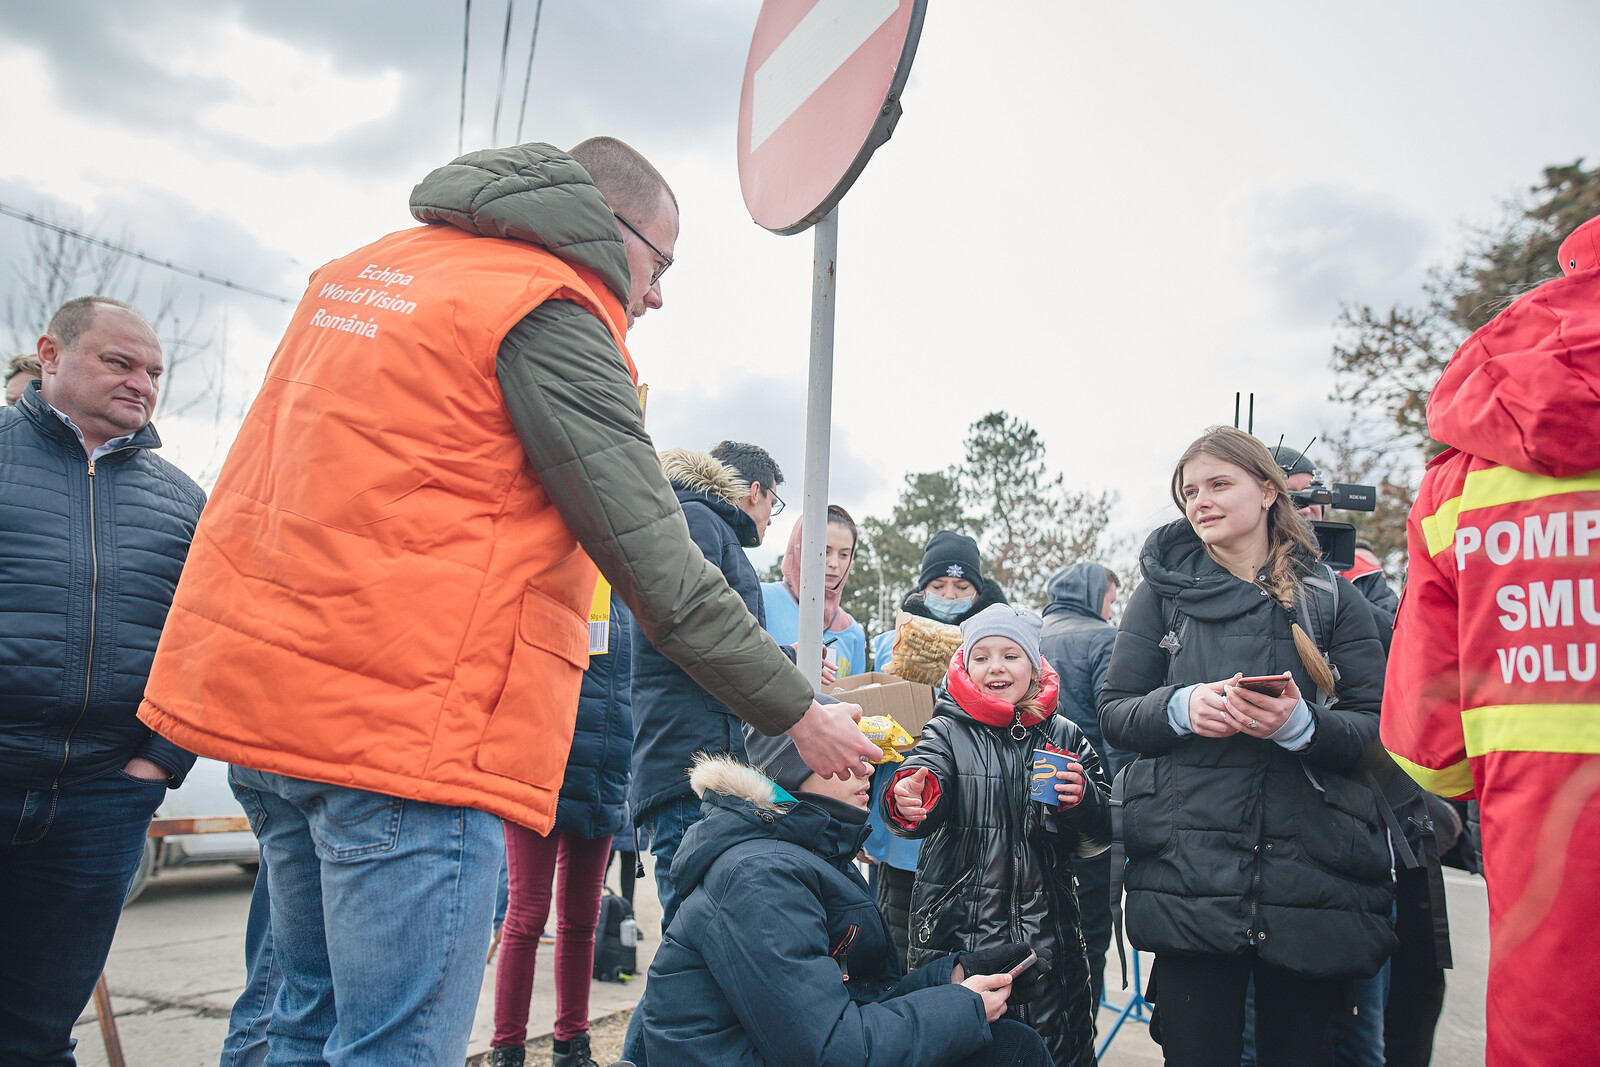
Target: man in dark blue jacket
x,y
94,529
1077,640
728,496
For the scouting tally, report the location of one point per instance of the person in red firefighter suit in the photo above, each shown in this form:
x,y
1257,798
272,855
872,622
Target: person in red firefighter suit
x,y
1492,687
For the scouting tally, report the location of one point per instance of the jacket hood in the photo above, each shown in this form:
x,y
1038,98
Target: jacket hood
x,y
532,192
1178,567
1524,391
698,476
739,804
1077,590
989,593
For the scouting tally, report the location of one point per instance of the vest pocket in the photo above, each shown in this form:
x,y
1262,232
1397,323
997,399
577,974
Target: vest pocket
x,y
529,734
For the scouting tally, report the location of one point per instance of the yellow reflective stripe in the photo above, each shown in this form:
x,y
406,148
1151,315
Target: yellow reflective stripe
x,y
1492,487
1451,781
1439,529
1532,728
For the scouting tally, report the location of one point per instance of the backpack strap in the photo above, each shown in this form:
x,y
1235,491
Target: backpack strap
x,y
1317,613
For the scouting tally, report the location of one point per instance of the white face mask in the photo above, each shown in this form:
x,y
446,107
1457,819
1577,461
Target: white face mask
x,y
946,609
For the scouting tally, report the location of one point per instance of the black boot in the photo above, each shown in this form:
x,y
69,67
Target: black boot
x,y
509,1056
577,1054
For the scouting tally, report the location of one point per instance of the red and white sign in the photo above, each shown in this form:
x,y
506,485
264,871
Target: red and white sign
x,y
821,92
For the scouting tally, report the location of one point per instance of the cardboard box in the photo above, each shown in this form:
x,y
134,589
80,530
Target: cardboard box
x,y
909,703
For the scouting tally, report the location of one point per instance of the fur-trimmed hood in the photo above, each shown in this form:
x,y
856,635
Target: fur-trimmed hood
x,y
726,775
739,804
700,479
700,473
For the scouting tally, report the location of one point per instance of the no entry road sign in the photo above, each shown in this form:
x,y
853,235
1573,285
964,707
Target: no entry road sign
x,y
821,92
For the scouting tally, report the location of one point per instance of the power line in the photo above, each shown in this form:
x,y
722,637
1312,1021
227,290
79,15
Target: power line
x,y
466,38
500,90
522,112
132,253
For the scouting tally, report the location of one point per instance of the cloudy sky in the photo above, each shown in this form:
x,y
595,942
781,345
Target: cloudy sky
x,y
1103,218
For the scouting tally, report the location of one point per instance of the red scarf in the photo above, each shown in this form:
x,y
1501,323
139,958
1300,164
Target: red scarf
x,y
993,711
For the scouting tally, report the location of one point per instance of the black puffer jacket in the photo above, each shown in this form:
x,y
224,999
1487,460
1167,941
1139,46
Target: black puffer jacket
x,y
673,718
996,866
87,570
1237,843
779,954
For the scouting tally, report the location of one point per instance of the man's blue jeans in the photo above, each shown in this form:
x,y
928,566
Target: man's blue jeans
x,y
246,1043
67,857
380,915
666,826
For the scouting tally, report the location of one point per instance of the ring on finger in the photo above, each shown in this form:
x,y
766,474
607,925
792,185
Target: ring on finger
x,y
1252,724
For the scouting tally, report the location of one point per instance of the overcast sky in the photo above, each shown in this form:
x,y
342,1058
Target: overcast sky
x,y
1102,218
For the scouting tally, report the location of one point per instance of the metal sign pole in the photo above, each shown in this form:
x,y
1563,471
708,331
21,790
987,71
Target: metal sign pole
x,y
819,421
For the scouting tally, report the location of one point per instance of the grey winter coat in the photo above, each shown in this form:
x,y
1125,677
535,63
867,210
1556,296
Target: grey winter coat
x,y
1077,641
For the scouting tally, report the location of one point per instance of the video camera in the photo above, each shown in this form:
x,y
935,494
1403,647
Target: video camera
x,y
1337,539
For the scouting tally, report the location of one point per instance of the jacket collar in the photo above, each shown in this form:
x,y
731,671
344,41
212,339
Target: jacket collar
x,y
37,411
992,711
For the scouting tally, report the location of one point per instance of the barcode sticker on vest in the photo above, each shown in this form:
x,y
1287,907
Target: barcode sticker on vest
x,y
600,619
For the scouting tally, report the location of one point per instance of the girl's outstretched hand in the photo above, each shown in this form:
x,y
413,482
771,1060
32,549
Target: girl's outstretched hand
x,y
1069,785
907,797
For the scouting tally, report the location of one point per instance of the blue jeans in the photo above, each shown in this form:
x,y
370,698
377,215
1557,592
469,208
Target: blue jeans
x,y
246,1043
380,914
1362,1045
67,858
665,825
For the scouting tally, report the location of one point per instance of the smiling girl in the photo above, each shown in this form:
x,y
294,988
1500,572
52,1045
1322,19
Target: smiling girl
x,y
996,866
1253,851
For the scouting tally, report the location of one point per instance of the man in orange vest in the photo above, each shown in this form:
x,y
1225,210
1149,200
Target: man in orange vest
x,y
384,619
1492,690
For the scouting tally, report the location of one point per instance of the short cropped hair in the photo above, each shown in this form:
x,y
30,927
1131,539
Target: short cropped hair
x,y
1111,576
27,363
630,184
76,315
751,462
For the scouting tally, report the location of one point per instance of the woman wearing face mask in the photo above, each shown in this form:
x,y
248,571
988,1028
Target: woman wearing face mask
x,y
951,588
842,636
1253,849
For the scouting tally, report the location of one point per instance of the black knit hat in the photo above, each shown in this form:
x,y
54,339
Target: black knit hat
x,y
951,555
1292,462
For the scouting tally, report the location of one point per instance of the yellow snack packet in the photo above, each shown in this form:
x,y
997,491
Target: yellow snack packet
x,y
888,735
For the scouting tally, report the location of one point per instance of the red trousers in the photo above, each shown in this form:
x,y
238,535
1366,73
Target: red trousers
x,y
578,865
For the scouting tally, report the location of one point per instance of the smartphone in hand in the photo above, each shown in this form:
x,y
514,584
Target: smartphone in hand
x,y
1028,961
1271,685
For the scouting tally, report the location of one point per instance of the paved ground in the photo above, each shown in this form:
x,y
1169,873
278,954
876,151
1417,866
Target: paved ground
x,y
177,966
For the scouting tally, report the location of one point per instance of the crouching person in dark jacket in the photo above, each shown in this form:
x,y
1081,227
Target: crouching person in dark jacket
x,y
779,955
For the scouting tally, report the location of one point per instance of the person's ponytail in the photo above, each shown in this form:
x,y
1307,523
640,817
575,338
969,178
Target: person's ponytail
x,y
1288,541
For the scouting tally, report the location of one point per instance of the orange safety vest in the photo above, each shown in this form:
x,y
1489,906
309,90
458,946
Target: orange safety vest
x,y
380,595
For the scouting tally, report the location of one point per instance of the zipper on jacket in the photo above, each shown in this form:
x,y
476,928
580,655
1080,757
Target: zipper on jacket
x,y
842,950
94,594
938,904
1019,829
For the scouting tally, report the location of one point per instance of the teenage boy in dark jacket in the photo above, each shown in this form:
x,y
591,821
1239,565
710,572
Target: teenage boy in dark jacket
x,y
779,956
728,498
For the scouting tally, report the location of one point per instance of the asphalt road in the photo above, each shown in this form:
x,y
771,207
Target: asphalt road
x,y
177,965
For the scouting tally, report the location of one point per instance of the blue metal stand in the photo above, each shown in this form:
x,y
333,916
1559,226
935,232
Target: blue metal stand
x,y
1137,1009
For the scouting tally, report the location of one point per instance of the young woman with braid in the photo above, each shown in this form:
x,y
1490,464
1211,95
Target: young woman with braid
x,y
1253,849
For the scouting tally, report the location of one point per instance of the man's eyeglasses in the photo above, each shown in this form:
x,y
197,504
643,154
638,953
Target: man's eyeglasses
x,y
777,503
666,260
